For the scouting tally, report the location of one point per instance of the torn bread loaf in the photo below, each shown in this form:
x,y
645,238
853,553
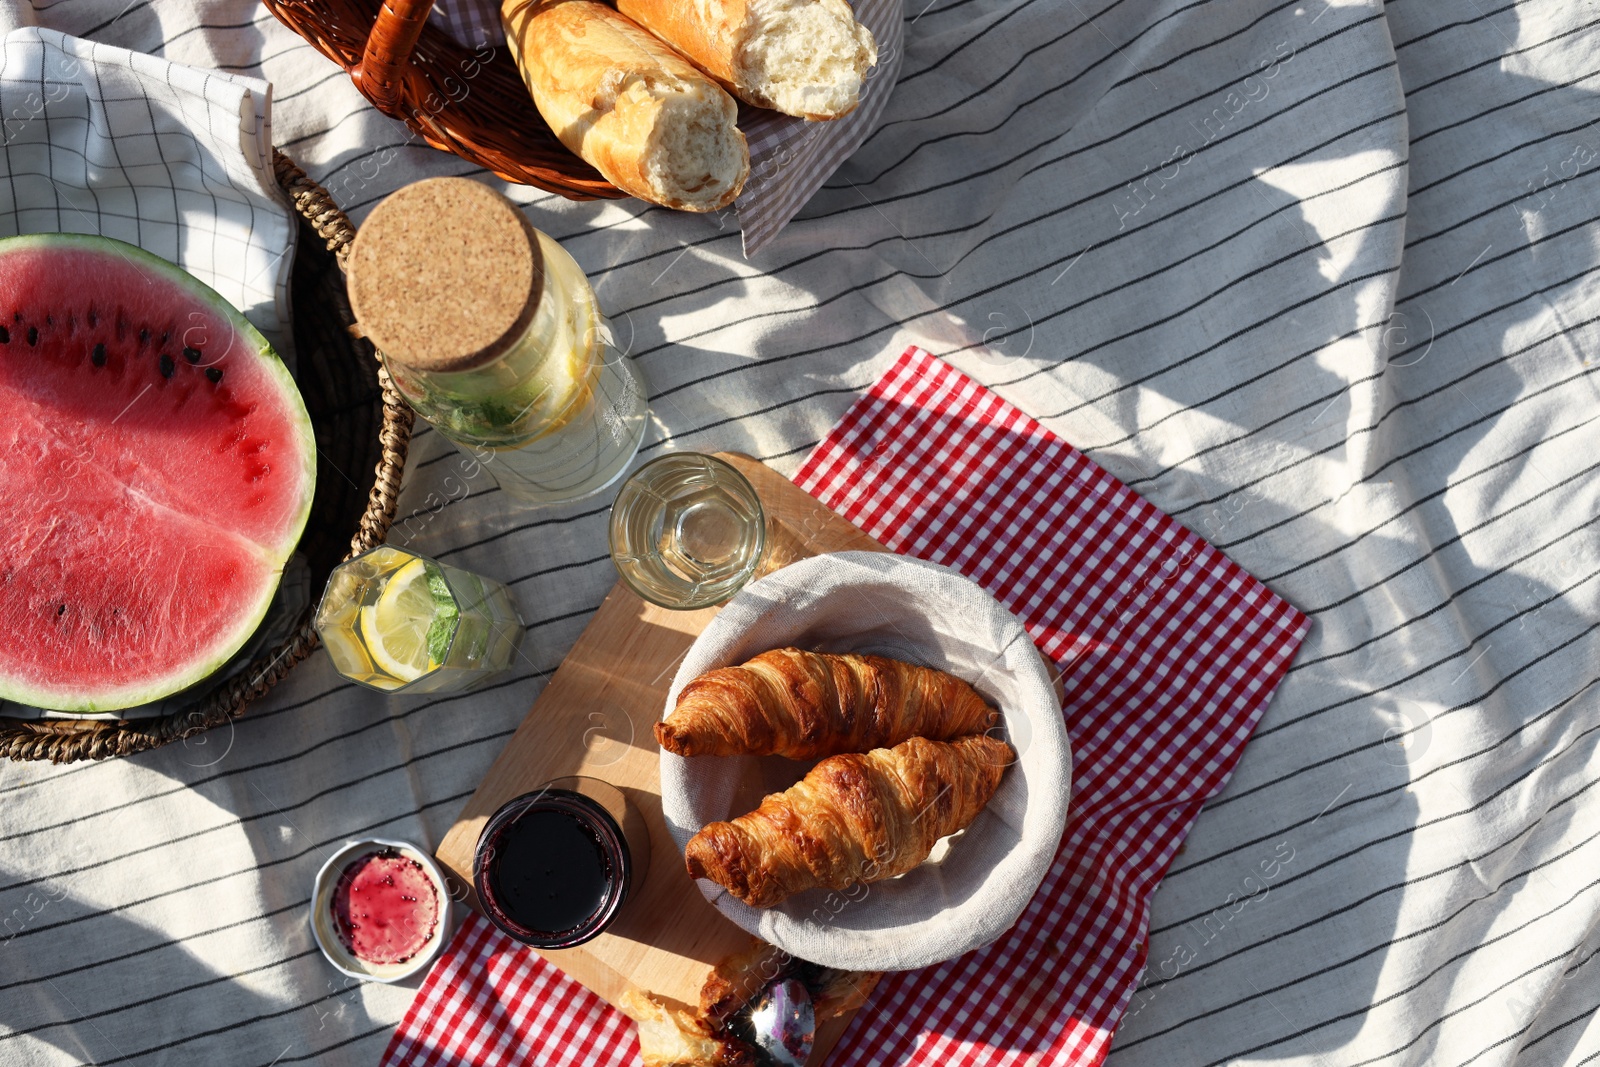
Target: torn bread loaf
x,y
807,58
740,978
672,1037
631,107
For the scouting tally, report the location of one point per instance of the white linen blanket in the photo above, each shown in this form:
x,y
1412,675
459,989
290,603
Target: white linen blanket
x,y
1319,279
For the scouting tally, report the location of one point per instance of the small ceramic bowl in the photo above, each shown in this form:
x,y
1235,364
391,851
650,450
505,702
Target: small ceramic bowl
x,y
327,938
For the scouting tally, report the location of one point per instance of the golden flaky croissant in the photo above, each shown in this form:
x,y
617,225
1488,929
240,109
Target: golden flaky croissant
x,y
809,704
857,817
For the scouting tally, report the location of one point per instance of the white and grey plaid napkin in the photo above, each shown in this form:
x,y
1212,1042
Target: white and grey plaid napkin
x,y
177,160
790,158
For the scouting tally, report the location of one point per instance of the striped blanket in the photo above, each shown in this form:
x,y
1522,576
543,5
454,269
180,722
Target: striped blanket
x,y
1317,279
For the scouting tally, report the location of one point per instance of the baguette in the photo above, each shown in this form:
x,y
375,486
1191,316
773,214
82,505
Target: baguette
x,y
635,110
806,58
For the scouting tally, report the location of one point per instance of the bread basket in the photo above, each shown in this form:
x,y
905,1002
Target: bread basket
x,y
361,425
920,612
466,101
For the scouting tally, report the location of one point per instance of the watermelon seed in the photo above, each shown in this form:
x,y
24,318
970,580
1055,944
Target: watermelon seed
x,y
167,366
98,356
5,336
166,335
33,335
191,354
215,374
93,318
61,610
17,316
144,336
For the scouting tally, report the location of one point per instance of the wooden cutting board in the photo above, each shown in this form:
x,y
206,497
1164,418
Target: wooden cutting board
x,y
595,718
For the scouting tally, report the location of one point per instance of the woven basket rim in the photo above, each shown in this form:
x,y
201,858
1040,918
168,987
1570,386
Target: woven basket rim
x,y
472,103
68,740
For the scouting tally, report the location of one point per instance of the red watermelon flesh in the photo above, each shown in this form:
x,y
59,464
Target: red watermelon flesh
x,y
156,471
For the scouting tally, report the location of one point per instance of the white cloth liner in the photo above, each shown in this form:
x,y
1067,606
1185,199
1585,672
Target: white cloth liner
x,y
920,612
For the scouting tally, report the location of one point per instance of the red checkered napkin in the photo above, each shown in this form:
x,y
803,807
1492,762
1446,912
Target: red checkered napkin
x,y
1169,653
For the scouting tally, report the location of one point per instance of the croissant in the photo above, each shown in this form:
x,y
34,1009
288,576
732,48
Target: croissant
x,y
809,704
857,817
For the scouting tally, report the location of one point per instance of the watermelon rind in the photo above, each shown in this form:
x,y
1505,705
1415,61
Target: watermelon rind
x,y
226,645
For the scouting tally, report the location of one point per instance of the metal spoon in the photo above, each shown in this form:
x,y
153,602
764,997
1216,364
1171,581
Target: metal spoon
x,y
784,1023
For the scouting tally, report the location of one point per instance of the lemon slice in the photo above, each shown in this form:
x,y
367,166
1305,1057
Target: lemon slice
x,y
398,626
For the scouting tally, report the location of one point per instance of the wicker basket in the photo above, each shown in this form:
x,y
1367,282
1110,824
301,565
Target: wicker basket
x,y
361,424
471,103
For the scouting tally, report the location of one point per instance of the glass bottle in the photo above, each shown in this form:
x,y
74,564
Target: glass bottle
x,y
491,332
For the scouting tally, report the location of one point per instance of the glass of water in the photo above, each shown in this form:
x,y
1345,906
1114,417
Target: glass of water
x,y
687,531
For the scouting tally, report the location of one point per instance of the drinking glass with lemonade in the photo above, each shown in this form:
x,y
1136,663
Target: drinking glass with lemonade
x,y
687,531
396,621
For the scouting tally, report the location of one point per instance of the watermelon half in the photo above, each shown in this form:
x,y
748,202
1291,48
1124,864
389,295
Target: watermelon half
x,y
156,470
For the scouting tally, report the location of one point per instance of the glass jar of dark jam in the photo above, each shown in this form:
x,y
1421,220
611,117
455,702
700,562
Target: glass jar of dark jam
x,y
555,866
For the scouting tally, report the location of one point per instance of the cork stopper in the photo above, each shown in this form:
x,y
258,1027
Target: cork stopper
x,y
445,275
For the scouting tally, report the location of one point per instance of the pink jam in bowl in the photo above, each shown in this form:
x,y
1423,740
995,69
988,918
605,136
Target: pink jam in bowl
x,y
385,907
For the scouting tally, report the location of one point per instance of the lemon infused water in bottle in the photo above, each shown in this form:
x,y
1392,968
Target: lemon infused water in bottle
x,y
491,332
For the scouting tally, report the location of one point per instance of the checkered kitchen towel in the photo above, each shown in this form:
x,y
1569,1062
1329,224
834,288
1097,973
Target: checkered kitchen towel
x,y
1169,653
790,158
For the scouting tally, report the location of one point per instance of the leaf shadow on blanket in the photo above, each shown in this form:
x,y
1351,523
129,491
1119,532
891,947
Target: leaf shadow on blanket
x,y
1375,427
1428,415
134,993
188,942
1404,652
